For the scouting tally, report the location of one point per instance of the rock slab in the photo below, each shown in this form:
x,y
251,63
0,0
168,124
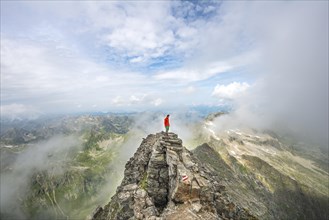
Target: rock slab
x,y
163,180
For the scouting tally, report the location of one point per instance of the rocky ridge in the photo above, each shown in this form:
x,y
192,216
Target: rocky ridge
x,y
163,180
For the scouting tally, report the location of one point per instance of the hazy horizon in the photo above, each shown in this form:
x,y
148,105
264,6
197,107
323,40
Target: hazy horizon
x,y
266,60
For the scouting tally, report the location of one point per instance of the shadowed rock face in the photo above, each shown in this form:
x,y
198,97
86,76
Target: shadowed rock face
x,y
163,180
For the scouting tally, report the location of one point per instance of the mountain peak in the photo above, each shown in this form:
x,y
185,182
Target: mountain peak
x,y
163,180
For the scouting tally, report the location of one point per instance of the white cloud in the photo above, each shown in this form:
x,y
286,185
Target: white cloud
x,y
230,91
138,101
209,9
291,94
157,102
190,90
118,101
18,111
203,70
140,37
147,31
56,58
195,74
137,59
35,72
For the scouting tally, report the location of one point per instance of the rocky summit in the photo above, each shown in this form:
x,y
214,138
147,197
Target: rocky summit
x,y
163,180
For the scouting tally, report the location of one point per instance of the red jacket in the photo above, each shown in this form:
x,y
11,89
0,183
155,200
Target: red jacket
x,y
166,121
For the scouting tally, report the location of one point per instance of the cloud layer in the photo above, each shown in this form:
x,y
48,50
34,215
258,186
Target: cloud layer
x,y
135,56
231,91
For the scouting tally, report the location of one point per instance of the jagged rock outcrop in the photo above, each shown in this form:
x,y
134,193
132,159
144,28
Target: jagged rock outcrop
x,y
163,180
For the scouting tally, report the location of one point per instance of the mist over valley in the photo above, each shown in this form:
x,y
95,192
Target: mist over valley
x,y
86,85
66,166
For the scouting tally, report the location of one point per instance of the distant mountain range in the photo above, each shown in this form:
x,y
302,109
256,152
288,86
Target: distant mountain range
x,y
66,166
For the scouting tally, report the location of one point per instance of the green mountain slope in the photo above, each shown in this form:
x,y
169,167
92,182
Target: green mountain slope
x,y
262,174
57,180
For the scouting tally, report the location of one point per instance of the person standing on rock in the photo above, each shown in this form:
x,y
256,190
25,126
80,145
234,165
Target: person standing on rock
x,y
167,124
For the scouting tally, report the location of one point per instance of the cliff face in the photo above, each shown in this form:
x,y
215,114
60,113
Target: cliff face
x,y
163,180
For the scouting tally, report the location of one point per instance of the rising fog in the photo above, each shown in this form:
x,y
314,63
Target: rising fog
x,y
51,155
54,156
183,122
290,93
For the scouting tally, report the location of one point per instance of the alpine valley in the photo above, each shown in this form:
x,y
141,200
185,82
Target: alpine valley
x,y
121,166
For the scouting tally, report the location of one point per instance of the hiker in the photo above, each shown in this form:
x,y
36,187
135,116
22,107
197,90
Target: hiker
x,y
166,123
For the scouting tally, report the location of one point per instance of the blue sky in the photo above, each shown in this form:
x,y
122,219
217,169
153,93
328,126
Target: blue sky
x,y
66,57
